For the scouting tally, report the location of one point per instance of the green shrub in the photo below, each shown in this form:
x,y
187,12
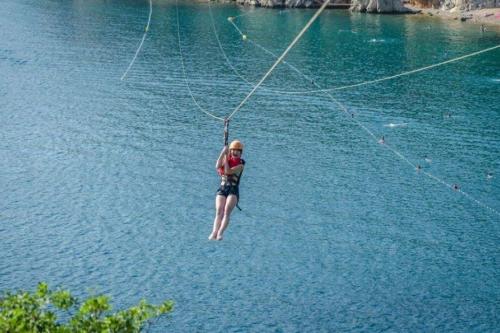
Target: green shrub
x,y
37,312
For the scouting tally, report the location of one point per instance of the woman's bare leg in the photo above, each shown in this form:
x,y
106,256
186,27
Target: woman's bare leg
x,y
220,203
231,202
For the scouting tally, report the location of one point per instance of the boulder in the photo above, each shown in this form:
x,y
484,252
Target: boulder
x,y
379,6
303,3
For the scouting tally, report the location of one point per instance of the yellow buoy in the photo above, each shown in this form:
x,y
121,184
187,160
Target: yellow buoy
x,y
244,37
230,18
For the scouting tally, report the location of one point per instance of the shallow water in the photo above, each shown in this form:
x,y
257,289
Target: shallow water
x,y
109,184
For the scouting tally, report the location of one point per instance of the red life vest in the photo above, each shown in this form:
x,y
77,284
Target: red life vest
x,y
232,161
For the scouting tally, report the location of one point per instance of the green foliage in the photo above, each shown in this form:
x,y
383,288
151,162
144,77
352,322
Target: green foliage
x,y
37,313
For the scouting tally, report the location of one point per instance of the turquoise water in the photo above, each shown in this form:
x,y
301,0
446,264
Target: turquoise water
x,y
110,184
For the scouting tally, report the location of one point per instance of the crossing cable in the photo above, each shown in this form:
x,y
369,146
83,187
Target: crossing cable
x,y
210,114
393,150
400,74
221,48
244,14
303,92
146,29
292,44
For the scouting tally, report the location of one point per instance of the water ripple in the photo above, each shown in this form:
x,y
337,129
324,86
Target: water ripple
x,y
110,184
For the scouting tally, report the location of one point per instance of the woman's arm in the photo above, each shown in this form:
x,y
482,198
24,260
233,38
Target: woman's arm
x,y
222,158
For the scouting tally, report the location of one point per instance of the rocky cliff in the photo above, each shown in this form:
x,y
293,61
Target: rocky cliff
x,y
456,4
293,3
371,6
377,6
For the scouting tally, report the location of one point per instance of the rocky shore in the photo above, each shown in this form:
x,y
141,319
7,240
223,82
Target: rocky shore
x,y
485,12
486,16
294,3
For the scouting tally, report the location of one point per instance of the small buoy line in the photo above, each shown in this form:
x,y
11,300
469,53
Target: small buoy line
x,y
222,49
454,187
146,29
231,20
417,167
244,37
184,74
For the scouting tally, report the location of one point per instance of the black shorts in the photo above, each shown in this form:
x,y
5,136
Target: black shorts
x,y
228,189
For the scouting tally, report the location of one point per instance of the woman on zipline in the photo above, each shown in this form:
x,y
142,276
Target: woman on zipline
x,y
230,167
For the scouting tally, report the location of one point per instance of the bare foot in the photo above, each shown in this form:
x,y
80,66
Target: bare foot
x,y
211,237
219,237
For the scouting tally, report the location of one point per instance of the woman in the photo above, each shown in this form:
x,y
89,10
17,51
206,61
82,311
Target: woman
x,y
230,167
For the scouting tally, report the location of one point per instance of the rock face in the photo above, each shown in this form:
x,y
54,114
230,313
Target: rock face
x,y
291,3
379,6
456,4
376,6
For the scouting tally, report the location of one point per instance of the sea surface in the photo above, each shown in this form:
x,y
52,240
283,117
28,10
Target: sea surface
x,y
108,185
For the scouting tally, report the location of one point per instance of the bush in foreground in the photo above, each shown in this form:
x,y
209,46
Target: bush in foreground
x,y
37,312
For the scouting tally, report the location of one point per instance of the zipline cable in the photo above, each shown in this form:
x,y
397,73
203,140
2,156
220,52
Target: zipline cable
x,y
292,44
393,150
146,29
184,69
